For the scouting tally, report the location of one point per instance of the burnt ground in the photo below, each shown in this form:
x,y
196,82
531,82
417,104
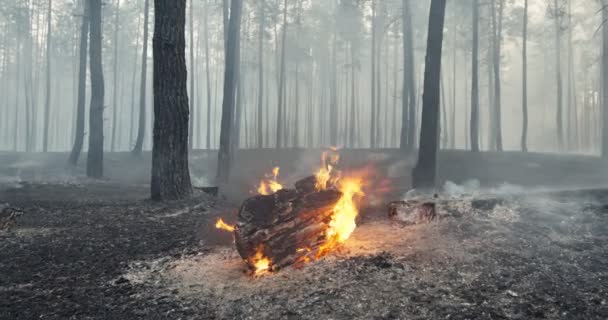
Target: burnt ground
x,y
99,250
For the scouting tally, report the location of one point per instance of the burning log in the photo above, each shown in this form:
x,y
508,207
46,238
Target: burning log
x,y
287,227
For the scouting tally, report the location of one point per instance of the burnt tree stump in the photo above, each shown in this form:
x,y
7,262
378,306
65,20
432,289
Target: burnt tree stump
x,y
287,227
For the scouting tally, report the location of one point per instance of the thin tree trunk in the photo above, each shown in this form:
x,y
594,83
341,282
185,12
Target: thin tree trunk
x,y
208,74
95,155
373,109
474,125
524,134
115,74
82,79
604,91
230,82
139,143
497,84
558,67
260,113
47,102
281,93
425,173
408,126
191,76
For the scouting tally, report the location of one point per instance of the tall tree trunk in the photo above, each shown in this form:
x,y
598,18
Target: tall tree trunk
x,y
95,155
281,93
139,143
408,126
115,74
170,171
474,125
604,100
17,89
47,102
333,112
82,79
372,135
425,173
524,134
230,83
208,74
558,67
260,113
191,76
454,90
497,85
133,83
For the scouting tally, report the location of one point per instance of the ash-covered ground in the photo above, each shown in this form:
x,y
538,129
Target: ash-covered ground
x,y
99,250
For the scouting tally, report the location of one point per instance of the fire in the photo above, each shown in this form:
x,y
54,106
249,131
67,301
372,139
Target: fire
x,y
326,174
220,224
260,263
270,185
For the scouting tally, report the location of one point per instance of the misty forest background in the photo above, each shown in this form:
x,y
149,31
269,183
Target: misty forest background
x,y
312,73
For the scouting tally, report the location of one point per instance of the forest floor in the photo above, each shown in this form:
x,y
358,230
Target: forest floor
x,y
99,250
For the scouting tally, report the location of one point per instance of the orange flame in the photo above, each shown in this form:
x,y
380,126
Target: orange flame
x,y
220,224
270,185
260,263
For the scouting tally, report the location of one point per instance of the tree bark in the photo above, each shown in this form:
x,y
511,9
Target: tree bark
x,y
139,143
115,74
408,126
497,85
82,79
474,124
281,93
230,82
95,155
47,102
558,67
191,76
260,113
524,134
208,75
170,171
425,173
604,137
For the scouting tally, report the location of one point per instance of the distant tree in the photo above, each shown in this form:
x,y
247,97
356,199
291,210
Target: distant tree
x,y
604,140
47,102
425,172
230,83
408,126
280,113
139,143
524,134
115,74
95,155
170,171
474,126
261,32
82,77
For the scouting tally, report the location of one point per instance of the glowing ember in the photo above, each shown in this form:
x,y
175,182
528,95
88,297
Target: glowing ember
x,y
220,224
260,263
270,185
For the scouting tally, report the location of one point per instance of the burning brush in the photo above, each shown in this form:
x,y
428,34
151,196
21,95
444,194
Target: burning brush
x,y
294,226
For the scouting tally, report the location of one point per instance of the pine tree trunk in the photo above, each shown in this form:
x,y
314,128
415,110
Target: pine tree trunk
x,y
82,79
524,134
95,155
408,126
260,113
230,83
191,78
558,67
170,171
208,74
47,102
115,82
497,85
425,173
280,112
474,123
139,143
372,135
604,136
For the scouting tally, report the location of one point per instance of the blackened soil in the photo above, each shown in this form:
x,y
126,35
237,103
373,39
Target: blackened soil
x,y
65,257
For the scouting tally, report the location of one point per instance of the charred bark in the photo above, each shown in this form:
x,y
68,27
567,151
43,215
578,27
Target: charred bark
x,y
95,154
82,77
170,171
288,226
424,175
